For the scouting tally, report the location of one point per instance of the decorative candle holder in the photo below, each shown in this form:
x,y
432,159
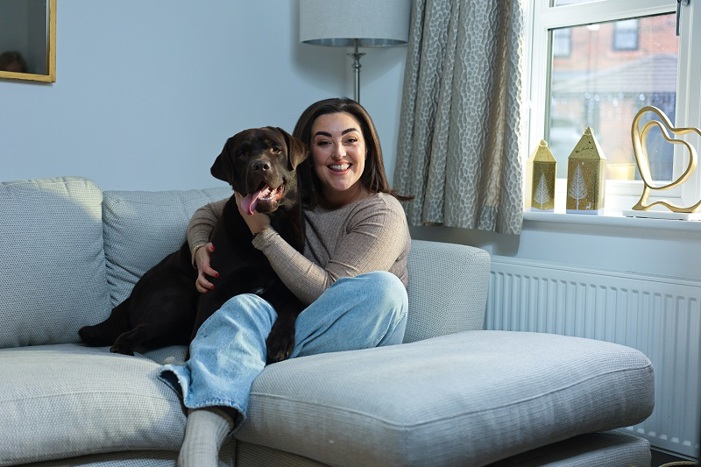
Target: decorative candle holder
x,y
540,179
586,176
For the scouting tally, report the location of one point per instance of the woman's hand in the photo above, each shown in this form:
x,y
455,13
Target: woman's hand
x,y
202,258
256,222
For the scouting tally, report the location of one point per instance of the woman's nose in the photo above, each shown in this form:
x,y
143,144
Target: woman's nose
x,y
338,151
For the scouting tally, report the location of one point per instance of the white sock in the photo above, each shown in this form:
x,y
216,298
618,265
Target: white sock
x,y
205,433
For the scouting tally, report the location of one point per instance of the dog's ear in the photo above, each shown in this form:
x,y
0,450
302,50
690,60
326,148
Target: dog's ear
x,y
296,149
223,167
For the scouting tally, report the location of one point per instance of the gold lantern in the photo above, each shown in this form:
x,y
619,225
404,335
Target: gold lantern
x,y
586,176
540,179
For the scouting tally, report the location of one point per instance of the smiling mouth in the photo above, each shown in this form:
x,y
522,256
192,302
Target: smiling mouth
x,y
339,167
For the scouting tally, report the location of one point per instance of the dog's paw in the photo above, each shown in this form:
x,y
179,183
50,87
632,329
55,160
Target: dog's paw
x,y
91,336
280,344
122,349
85,334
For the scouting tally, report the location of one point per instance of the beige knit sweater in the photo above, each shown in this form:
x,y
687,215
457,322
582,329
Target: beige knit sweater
x,y
364,236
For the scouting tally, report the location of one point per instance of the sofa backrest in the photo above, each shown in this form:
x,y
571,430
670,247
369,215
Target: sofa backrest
x,y
52,265
56,276
448,286
448,282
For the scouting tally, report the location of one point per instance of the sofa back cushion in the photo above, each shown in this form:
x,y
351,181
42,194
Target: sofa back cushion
x,y
52,264
448,282
448,286
142,227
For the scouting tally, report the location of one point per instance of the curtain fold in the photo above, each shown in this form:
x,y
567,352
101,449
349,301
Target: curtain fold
x,y
460,128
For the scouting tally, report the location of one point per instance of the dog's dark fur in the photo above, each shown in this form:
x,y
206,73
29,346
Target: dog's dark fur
x,y
164,307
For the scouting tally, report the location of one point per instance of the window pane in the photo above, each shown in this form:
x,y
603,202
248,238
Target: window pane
x,y
562,42
600,86
625,35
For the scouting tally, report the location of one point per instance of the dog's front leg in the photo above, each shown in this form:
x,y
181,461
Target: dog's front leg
x,y
281,340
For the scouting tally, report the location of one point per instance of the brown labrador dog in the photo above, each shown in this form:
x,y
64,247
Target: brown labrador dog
x,y
164,307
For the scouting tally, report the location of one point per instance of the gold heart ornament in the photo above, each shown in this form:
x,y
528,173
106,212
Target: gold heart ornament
x,y
641,157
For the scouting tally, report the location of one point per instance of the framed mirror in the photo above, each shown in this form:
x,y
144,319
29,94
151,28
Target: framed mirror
x,y
28,40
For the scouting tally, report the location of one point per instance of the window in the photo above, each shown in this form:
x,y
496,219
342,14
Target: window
x,y
562,42
596,64
598,88
625,34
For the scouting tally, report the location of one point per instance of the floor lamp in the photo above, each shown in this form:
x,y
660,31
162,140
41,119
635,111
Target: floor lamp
x,y
354,23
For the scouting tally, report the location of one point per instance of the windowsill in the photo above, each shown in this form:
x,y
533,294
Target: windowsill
x,y
612,219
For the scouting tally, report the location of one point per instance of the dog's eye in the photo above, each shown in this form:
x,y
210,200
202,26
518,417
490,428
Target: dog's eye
x,y
276,149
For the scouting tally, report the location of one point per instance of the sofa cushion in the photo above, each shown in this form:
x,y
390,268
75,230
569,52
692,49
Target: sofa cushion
x,y
52,260
493,394
66,400
614,448
434,307
142,227
611,449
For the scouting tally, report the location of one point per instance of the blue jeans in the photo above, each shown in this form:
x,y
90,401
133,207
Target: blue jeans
x,y
229,349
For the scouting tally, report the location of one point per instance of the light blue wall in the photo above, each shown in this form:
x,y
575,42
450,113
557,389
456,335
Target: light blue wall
x,y
148,91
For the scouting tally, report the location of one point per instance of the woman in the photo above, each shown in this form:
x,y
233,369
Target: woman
x,y
352,276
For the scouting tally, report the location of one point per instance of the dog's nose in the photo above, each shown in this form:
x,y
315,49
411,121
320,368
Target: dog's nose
x,y
263,166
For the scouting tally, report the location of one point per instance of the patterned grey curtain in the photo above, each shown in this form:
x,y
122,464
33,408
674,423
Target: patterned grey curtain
x,y
460,129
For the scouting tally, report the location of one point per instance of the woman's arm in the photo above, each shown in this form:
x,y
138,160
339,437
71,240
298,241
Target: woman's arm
x,y
199,230
369,238
202,223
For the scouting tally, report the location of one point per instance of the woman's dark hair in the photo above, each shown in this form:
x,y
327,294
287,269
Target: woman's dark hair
x,y
373,177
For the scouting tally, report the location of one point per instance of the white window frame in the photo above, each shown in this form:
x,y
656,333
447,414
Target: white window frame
x,y
541,17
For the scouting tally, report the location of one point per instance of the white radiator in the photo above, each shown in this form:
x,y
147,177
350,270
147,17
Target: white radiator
x,y
658,315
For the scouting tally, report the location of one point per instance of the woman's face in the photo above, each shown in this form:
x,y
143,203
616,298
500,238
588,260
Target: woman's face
x,y
338,151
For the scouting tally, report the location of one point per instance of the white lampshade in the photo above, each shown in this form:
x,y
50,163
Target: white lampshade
x,y
339,23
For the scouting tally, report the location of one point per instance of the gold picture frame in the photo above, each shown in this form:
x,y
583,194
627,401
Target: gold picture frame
x,y
49,19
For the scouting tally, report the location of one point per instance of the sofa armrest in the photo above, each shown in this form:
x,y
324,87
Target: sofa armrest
x,y
447,289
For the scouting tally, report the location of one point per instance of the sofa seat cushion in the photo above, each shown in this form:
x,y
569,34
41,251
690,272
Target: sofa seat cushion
x,y
469,398
53,265
66,400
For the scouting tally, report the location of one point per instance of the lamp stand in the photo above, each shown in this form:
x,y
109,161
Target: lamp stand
x,y
356,71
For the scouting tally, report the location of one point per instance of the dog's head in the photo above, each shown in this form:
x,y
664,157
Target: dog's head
x,y
260,164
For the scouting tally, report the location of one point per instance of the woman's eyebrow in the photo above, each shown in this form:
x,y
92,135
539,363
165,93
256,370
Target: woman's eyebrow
x,y
326,133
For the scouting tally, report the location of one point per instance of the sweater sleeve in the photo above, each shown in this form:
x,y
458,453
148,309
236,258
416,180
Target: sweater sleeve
x,y
372,238
201,225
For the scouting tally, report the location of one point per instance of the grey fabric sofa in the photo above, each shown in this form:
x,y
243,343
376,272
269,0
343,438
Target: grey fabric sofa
x,y
452,394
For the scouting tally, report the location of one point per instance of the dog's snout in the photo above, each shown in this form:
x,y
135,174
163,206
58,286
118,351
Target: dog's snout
x,y
261,165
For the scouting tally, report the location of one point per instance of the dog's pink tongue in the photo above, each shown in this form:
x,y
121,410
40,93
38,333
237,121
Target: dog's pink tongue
x,y
250,201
